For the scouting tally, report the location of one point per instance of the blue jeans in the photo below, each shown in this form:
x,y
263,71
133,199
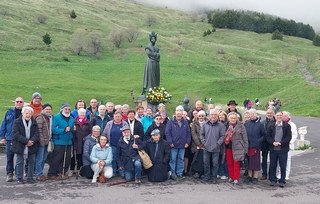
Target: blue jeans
x,y
10,156
41,157
176,160
20,164
275,157
222,171
209,157
128,174
114,159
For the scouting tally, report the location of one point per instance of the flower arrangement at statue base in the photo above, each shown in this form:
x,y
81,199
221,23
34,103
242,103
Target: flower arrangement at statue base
x,y
157,95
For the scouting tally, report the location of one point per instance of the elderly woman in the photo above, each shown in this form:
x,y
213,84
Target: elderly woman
x,y
102,118
101,158
82,128
236,144
256,133
159,153
89,142
25,143
114,133
196,144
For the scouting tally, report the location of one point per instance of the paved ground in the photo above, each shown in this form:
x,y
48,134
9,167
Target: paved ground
x,y
303,186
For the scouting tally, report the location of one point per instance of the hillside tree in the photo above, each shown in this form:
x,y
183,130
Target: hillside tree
x,y
116,38
316,40
78,41
47,39
94,45
73,14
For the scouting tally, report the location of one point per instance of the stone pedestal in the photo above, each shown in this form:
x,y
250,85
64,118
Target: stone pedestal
x,y
141,100
300,143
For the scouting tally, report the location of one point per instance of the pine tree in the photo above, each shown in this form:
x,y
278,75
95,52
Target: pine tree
x,y
73,14
47,39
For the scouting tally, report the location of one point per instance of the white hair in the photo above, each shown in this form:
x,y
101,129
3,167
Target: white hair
x,y
81,110
26,108
252,110
96,127
179,108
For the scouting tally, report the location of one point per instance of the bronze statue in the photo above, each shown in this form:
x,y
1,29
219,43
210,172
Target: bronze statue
x,y
152,69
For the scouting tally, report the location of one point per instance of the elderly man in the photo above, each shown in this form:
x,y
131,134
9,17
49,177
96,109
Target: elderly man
x,y
287,118
269,121
93,108
35,104
211,137
25,143
128,158
198,106
6,134
179,137
232,107
62,135
278,137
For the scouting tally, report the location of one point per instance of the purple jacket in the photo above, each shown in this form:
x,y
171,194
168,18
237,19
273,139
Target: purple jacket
x,y
176,135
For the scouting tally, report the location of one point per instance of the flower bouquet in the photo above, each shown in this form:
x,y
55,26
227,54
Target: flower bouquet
x,y
157,95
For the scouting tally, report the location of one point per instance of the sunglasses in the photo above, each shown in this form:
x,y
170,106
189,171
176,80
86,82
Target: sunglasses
x,y
201,116
19,101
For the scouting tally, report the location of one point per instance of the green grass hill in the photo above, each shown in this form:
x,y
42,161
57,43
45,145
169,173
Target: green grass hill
x,y
228,64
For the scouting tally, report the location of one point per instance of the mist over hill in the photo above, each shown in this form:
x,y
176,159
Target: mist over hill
x,y
301,11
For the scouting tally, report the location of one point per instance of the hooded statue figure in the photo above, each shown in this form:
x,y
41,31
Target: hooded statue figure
x,y
152,69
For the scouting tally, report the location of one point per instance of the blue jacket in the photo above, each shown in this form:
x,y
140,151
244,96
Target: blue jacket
x,y
97,120
7,125
88,144
255,132
146,122
59,135
99,153
178,136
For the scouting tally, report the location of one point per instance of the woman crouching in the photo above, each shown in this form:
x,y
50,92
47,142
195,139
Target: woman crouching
x,y
101,158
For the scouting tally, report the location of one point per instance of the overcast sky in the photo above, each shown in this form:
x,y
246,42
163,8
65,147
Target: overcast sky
x,y
305,11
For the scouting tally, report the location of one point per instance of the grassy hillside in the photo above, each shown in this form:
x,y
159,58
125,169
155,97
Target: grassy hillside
x,y
252,64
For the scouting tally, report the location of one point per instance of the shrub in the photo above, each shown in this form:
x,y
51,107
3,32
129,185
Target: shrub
x,y
221,51
78,41
47,39
94,44
205,33
73,14
316,40
116,38
132,34
42,18
150,20
277,35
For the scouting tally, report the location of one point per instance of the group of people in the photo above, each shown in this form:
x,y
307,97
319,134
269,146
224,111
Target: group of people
x,y
105,140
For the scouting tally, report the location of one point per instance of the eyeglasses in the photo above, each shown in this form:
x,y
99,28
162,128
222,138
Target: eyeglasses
x,y
201,116
19,101
158,118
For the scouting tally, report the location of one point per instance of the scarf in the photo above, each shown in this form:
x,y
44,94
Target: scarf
x,y
229,135
81,121
27,129
36,109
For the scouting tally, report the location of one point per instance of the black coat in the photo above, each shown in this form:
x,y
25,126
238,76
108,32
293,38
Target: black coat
x,y
285,141
159,171
152,127
266,123
137,129
126,154
19,137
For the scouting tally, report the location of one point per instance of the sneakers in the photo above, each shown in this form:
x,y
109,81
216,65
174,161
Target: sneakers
x,y
70,173
180,177
223,177
235,182
173,176
94,180
272,183
31,181
137,181
9,177
254,181
281,185
230,180
248,180
20,181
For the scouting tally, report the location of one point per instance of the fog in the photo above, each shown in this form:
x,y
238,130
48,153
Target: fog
x,y
305,11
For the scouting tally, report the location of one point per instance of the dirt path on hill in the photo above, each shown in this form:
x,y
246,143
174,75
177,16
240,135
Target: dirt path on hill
x,y
307,75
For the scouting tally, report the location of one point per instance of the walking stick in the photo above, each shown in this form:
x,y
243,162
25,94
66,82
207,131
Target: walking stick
x,y
76,162
64,163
